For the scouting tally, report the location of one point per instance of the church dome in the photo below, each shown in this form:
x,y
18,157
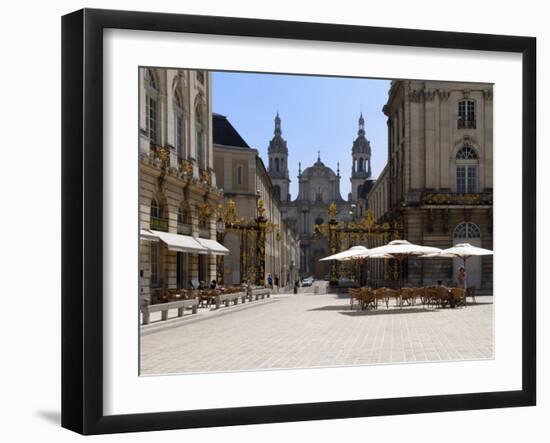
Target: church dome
x,y
318,169
319,184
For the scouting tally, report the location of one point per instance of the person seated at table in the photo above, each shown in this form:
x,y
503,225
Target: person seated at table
x,y
213,284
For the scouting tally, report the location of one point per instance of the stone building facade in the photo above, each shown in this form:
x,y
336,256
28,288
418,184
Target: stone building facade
x,y
438,182
177,183
242,174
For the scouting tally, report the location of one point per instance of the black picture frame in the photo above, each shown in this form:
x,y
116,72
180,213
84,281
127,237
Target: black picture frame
x,y
82,218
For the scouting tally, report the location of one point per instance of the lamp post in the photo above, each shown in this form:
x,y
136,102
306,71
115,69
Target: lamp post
x,y
220,234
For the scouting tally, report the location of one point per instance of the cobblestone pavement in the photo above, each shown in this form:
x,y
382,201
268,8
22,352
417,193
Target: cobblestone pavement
x,y
295,331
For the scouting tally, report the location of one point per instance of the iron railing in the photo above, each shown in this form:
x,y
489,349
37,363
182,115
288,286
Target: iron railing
x,y
159,224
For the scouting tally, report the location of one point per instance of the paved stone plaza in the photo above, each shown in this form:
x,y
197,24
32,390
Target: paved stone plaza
x,y
307,330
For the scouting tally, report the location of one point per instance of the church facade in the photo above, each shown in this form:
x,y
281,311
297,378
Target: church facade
x,y
319,187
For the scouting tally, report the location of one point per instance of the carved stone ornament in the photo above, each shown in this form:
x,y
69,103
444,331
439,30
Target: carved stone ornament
x,y
186,167
414,96
443,94
428,95
206,177
163,154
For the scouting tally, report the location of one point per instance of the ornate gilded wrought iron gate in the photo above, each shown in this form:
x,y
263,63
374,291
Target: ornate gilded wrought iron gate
x,y
252,238
343,235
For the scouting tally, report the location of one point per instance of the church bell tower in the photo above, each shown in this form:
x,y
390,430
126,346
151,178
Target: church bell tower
x,y
361,153
278,162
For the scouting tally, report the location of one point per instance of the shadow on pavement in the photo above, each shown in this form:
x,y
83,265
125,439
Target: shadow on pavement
x,y
331,308
390,311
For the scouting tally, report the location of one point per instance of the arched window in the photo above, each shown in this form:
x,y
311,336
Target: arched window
x,y
151,105
199,137
156,209
466,114
467,230
158,220
178,124
277,191
466,153
466,170
184,220
361,166
276,165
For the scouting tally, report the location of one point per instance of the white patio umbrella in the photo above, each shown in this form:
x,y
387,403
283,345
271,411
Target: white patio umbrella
x,y
347,254
460,250
399,250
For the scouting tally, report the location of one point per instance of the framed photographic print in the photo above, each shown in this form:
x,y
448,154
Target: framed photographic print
x,y
269,221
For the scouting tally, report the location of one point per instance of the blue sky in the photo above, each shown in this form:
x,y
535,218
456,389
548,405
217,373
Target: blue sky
x,y
317,113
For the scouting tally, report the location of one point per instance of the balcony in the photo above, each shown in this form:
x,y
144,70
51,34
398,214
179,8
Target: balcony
x,y
159,224
448,198
184,229
466,124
